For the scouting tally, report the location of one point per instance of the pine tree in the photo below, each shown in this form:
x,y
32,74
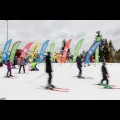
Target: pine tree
x,y
106,51
101,50
117,56
63,46
99,35
112,51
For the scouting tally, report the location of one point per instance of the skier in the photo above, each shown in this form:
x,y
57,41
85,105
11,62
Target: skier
x,y
105,76
9,69
49,71
79,65
34,66
22,64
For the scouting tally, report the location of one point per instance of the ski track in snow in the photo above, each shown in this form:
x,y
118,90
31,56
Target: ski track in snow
x,y
24,86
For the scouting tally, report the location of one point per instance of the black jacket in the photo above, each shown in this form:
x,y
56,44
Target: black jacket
x,y
48,64
104,71
79,62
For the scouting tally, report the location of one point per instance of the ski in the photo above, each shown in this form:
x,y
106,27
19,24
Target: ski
x,y
8,77
105,85
85,78
88,78
57,88
12,77
110,88
115,88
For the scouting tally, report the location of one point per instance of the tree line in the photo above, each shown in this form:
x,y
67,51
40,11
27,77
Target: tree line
x,y
107,50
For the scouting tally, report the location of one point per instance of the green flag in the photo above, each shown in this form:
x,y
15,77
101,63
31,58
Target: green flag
x,y
52,50
97,55
78,46
13,51
98,39
97,51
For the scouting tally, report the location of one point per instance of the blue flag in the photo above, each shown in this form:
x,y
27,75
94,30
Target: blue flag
x,y
91,51
43,50
5,55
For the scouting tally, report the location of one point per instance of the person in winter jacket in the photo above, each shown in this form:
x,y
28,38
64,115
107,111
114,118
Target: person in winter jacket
x,y
79,65
22,64
9,69
105,76
34,66
49,71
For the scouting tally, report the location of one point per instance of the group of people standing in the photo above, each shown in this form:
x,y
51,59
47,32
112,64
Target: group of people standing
x,y
9,68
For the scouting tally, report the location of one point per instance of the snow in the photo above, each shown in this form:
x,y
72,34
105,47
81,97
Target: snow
x,y
27,86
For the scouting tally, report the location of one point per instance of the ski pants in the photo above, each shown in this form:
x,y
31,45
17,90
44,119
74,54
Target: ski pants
x,y
21,67
50,78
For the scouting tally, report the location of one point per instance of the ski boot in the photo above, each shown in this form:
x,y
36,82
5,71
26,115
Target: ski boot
x,y
108,87
7,76
102,84
80,76
10,76
53,86
49,87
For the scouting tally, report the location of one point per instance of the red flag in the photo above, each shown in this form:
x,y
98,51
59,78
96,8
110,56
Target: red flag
x,y
66,50
25,50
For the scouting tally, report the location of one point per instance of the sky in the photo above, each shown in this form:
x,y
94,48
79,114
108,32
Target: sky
x,y
57,30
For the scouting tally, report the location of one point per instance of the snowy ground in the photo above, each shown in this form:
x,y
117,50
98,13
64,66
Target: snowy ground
x,y
26,86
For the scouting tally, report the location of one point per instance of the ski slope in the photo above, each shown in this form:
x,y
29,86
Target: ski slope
x,y
27,86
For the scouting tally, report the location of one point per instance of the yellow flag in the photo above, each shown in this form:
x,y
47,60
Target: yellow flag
x,y
33,51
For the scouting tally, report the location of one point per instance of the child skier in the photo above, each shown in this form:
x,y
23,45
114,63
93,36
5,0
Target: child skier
x,y
22,64
34,66
9,69
105,76
79,65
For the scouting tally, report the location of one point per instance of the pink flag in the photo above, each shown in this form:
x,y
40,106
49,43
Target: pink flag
x,y
66,50
25,50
